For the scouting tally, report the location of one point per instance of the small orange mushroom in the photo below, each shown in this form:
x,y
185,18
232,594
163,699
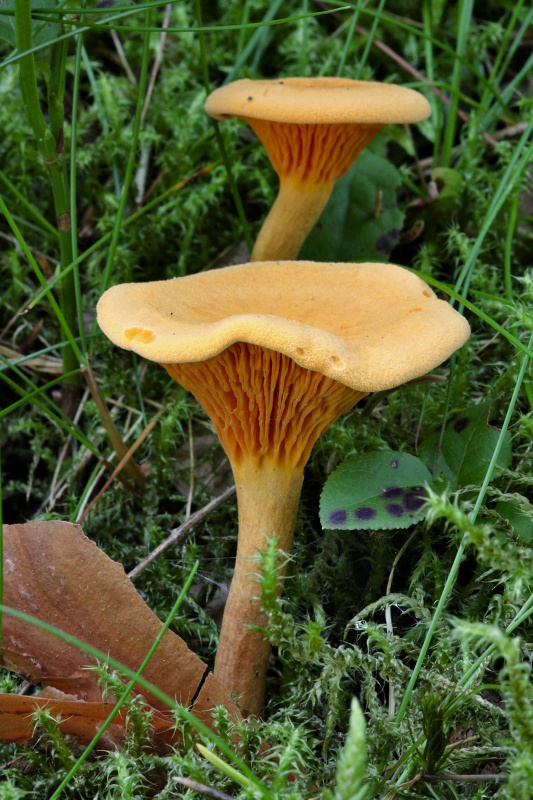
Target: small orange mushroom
x,y
274,353
313,129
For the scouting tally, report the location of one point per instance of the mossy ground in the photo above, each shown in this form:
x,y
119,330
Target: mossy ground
x,y
335,636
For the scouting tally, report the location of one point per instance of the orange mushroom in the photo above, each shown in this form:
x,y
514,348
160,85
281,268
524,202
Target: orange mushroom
x,y
274,353
313,129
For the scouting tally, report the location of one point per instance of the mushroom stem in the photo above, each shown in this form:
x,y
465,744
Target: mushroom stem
x,y
268,496
291,218
268,412
309,159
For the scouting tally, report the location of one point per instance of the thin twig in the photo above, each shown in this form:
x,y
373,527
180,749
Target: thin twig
x,y
157,62
177,533
465,778
510,131
122,56
82,463
112,430
388,51
423,776
419,77
505,133
405,785
191,472
65,449
65,482
122,463
146,400
177,186
202,789
492,339
144,162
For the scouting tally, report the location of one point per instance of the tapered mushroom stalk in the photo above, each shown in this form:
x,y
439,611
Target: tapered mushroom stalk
x,y
276,352
313,129
268,412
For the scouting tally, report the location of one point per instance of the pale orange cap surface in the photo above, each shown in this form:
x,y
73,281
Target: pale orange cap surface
x,y
369,326
318,100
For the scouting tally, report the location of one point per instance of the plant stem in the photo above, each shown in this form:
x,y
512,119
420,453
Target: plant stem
x,y
218,135
72,190
362,63
119,221
51,146
508,249
466,8
349,37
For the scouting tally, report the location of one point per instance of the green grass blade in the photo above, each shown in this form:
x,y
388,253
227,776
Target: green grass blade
x,y
129,688
220,140
149,687
366,52
466,9
73,204
254,42
348,42
452,577
106,279
42,280
45,225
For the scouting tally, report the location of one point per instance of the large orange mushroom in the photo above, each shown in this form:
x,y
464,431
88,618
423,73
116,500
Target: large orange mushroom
x,y
313,129
274,353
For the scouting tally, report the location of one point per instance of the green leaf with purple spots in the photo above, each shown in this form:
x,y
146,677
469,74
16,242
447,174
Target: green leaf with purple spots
x,y
466,448
362,221
375,491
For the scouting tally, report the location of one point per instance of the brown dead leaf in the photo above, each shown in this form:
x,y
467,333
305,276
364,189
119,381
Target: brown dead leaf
x,y
75,717
54,572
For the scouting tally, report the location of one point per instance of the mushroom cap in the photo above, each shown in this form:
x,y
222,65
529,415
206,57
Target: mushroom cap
x,y
369,326
318,100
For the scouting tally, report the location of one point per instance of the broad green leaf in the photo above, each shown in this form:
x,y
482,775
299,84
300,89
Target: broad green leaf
x,y
467,447
361,221
42,31
521,521
375,491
